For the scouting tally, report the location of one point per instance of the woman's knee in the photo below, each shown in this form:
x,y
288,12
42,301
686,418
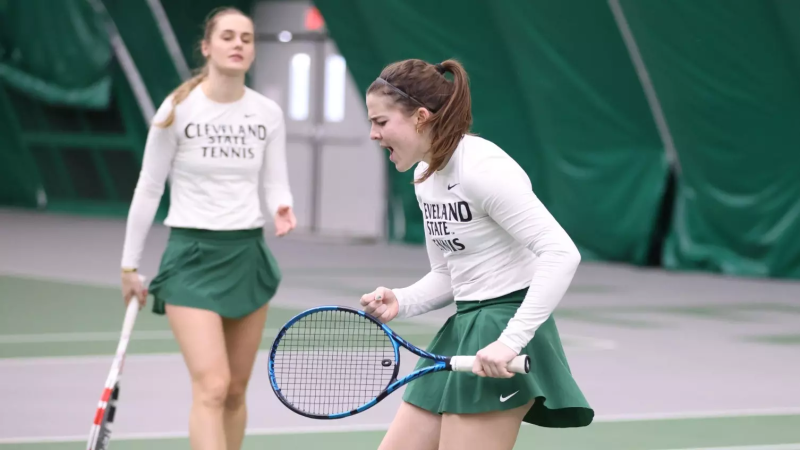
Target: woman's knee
x,y
212,389
235,398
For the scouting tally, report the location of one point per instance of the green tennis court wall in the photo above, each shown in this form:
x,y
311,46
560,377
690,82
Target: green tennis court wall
x,y
727,76
559,85
75,127
655,132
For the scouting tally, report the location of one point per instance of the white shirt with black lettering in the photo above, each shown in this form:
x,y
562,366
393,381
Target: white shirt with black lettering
x,y
218,157
487,234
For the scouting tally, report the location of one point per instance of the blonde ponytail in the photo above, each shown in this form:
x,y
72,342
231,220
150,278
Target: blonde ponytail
x,y
181,92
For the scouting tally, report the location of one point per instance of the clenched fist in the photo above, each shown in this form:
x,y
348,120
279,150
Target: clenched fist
x,y
381,303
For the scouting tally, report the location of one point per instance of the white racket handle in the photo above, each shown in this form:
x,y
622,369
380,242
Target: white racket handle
x,y
520,364
130,318
131,312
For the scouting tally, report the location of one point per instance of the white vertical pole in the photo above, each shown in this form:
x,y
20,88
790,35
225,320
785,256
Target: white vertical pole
x,y
647,84
170,40
127,63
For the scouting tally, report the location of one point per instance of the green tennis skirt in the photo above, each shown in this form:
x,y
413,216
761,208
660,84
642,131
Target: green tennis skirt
x,y
232,273
559,402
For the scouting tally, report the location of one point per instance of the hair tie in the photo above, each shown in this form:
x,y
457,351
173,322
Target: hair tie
x,y
440,68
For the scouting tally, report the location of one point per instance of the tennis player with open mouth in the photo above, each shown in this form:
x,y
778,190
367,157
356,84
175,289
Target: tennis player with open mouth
x,y
495,250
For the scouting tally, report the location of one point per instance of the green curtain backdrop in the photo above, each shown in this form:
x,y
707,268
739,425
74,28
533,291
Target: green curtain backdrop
x,y
54,53
57,52
553,84
727,73
72,131
138,28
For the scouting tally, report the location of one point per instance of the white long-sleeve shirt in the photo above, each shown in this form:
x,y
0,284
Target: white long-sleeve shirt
x,y
216,156
487,234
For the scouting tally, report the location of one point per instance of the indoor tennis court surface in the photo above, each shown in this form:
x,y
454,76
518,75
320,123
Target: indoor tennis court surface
x,y
669,361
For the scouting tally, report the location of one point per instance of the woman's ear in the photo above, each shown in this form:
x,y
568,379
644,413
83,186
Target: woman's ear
x,y
421,116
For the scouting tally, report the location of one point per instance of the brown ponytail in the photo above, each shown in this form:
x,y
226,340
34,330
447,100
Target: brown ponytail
x,y
414,83
181,92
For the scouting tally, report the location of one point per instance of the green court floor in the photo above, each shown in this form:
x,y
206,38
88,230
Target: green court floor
x,y
40,318
52,319
746,433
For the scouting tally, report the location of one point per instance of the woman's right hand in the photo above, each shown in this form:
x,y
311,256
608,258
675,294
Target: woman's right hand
x,y
381,303
132,286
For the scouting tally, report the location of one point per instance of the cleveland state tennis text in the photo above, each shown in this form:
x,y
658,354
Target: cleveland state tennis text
x,y
439,217
227,141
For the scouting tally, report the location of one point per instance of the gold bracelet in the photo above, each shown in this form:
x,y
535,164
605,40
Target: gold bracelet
x,y
128,269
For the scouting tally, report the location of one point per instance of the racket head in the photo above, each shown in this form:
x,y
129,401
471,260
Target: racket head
x,y
331,362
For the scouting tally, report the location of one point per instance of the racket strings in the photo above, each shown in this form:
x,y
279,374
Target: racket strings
x,y
333,361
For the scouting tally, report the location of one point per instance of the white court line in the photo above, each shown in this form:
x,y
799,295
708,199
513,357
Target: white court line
x,y
385,426
99,336
795,446
139,358
587,341
159,335
146,335
572,342
90,359
184,434
566,338
785,411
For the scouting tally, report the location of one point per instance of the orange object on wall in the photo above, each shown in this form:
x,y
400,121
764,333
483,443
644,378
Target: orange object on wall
x,y
314,20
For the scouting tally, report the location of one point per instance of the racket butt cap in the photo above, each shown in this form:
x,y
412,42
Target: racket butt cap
x,y
520,364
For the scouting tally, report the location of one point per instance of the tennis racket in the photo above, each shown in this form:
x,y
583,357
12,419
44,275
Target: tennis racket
x,y
332,362
100,432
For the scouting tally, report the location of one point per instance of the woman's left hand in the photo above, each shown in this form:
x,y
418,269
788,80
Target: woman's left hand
x,y
492,361
284,220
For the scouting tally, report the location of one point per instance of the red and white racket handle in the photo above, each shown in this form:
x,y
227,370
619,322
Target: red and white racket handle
x,y
520,364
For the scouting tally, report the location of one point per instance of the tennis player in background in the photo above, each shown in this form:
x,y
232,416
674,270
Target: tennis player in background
x,y
217,140
494,249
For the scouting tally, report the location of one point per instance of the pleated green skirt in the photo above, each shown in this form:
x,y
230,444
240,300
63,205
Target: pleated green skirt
x,y
232,273
559,402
